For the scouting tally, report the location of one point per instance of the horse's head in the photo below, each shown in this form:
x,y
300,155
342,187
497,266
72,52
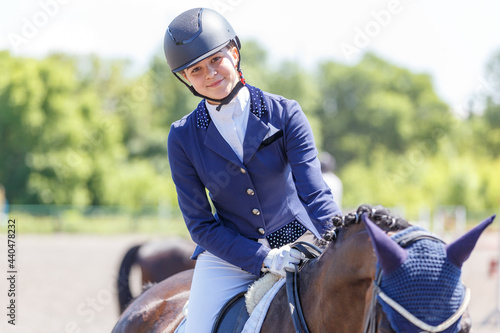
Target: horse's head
x,y
418,284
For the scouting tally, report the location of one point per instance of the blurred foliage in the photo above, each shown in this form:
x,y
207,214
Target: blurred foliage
x,y
89,131
375,104
45,219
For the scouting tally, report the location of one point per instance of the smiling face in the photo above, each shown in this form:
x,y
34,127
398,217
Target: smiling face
x,y
215,76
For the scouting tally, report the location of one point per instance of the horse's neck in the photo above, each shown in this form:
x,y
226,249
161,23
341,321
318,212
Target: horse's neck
x,y
336,285
332,288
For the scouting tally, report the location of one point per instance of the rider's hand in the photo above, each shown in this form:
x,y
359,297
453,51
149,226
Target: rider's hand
x,y
279,260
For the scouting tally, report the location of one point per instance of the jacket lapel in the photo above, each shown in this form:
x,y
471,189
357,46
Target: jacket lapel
x,y
255,134
257,127
256,131
213,139
216,143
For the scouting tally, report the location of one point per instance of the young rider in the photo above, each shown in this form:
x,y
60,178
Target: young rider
x,y
253,152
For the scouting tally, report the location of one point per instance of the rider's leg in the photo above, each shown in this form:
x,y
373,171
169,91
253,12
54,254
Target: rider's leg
x,y
215,281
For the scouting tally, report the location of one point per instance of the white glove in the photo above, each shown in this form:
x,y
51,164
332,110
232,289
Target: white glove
x,y
279,260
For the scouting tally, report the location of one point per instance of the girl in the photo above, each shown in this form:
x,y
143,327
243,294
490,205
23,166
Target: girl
x,y
253,152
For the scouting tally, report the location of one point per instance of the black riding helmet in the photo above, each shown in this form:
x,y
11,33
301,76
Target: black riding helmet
x,y
195,35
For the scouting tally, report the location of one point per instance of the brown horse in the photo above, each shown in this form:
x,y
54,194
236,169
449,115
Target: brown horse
x,y
336,289
157,260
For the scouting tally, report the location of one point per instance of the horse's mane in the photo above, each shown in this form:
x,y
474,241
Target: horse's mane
x,y
382,217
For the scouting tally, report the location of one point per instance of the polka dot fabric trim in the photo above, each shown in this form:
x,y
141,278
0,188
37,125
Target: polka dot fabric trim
x,y
202,117
257,107
286,235
427,285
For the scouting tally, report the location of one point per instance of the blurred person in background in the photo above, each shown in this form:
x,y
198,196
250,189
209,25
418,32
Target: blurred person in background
x,y
328,167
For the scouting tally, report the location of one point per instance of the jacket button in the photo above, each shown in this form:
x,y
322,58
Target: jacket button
x,y
243,170
255,211
261,231
250,191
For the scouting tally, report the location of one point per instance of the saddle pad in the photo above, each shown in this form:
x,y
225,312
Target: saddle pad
x,y
258,315
258,289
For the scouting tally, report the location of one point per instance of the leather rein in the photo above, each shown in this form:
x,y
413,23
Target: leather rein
x,y
292,286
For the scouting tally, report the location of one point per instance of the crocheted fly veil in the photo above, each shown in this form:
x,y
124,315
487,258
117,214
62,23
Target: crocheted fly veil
x,y
427,285
422,279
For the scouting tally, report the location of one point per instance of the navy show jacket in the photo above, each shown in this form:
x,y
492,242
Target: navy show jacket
x,y
278,181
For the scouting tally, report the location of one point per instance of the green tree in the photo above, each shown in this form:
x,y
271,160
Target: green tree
x,y
290,80
486,122
375,105
255,64
52,131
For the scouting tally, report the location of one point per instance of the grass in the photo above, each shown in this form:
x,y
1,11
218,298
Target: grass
x,y
118,220
96,222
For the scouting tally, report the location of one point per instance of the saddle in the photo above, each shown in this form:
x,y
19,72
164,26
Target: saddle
x,y
234,314
237,314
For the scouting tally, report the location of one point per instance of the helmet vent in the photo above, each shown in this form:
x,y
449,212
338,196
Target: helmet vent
x,y
186,27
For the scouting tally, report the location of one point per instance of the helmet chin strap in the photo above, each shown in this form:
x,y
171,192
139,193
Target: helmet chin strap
x,y
232,94
226,100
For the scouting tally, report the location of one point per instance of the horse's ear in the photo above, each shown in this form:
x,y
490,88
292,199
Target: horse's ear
x,y
459,251
390,255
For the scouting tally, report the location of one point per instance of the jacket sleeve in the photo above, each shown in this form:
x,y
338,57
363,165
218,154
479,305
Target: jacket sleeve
x,y
301,153
204,228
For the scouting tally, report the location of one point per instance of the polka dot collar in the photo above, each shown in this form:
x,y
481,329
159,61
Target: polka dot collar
x,y
257,107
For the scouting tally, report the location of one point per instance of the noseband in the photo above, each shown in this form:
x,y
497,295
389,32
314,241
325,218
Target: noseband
x,y
371,320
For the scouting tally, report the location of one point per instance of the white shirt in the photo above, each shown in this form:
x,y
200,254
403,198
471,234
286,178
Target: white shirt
x,y
232,119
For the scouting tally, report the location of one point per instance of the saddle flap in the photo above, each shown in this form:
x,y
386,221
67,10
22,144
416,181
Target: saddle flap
x,y
233,316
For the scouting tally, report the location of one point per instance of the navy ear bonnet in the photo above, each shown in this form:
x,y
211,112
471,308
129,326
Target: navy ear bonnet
x,y
427,285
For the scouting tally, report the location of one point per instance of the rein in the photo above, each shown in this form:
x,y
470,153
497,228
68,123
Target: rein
x,y
292,287
371,321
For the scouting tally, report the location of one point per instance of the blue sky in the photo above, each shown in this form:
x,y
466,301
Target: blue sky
x,y
450,40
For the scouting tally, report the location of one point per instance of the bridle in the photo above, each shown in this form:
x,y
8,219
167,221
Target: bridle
x,y
371,320
311,252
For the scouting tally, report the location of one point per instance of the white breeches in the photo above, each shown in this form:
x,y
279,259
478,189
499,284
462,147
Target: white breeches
x,y
215,282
